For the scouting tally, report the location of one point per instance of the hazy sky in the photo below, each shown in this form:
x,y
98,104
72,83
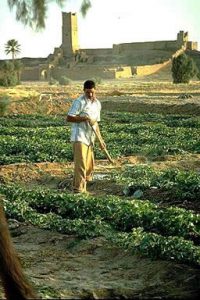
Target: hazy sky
x,y
108,22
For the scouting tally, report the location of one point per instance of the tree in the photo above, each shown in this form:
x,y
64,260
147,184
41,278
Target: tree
x,y
11,70
34,12
183,69
12,46
18,66
9,75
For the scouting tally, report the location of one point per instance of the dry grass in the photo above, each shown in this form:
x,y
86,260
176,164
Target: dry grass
x,y
144,89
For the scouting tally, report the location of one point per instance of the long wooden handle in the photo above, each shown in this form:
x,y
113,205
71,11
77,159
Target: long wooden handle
x,y
108,155
101,142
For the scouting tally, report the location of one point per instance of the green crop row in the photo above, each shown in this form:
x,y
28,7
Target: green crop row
x,y
122,214
20,120
108,217
52,143
178,184
31,121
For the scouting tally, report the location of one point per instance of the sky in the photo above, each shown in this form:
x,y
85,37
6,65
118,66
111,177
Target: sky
x,y
108,22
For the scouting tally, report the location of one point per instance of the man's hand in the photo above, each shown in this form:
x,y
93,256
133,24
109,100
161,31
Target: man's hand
x,y
86,118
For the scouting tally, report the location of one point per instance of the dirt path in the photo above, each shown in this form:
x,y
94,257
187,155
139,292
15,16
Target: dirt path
x,y
66,267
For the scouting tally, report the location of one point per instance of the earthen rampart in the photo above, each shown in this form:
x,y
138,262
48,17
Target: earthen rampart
x,y
150,69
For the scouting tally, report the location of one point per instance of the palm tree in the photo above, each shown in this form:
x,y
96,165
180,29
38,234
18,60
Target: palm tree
x,y
13,47
33,12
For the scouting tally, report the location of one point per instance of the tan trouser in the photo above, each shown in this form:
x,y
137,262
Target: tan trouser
x,y
83,166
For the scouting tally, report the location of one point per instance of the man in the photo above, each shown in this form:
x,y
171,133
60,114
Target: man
x,y
84,114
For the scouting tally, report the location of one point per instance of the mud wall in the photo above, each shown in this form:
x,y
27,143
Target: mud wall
x,y
158,45
149,69
82,72
98,51
32,73
192,45
124,72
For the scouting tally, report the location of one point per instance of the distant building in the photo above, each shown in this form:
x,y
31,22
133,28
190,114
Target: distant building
x,y
122,60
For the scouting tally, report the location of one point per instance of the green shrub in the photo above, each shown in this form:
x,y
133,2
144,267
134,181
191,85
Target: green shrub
x,y
53,81
9,80
63,80
198,75
183,69
9,75
4,103
97,80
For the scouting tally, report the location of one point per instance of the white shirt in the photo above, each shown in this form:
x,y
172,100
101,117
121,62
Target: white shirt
x,y
82,132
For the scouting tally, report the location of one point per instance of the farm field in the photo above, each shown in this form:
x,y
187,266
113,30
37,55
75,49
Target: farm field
x,y
137,233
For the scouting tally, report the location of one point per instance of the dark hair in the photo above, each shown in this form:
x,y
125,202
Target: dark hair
x,y
89,84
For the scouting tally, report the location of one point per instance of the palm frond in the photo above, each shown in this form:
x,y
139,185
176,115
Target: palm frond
x,y
85,6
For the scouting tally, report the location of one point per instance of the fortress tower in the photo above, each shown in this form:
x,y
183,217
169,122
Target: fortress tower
x,y
69,34
182,39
